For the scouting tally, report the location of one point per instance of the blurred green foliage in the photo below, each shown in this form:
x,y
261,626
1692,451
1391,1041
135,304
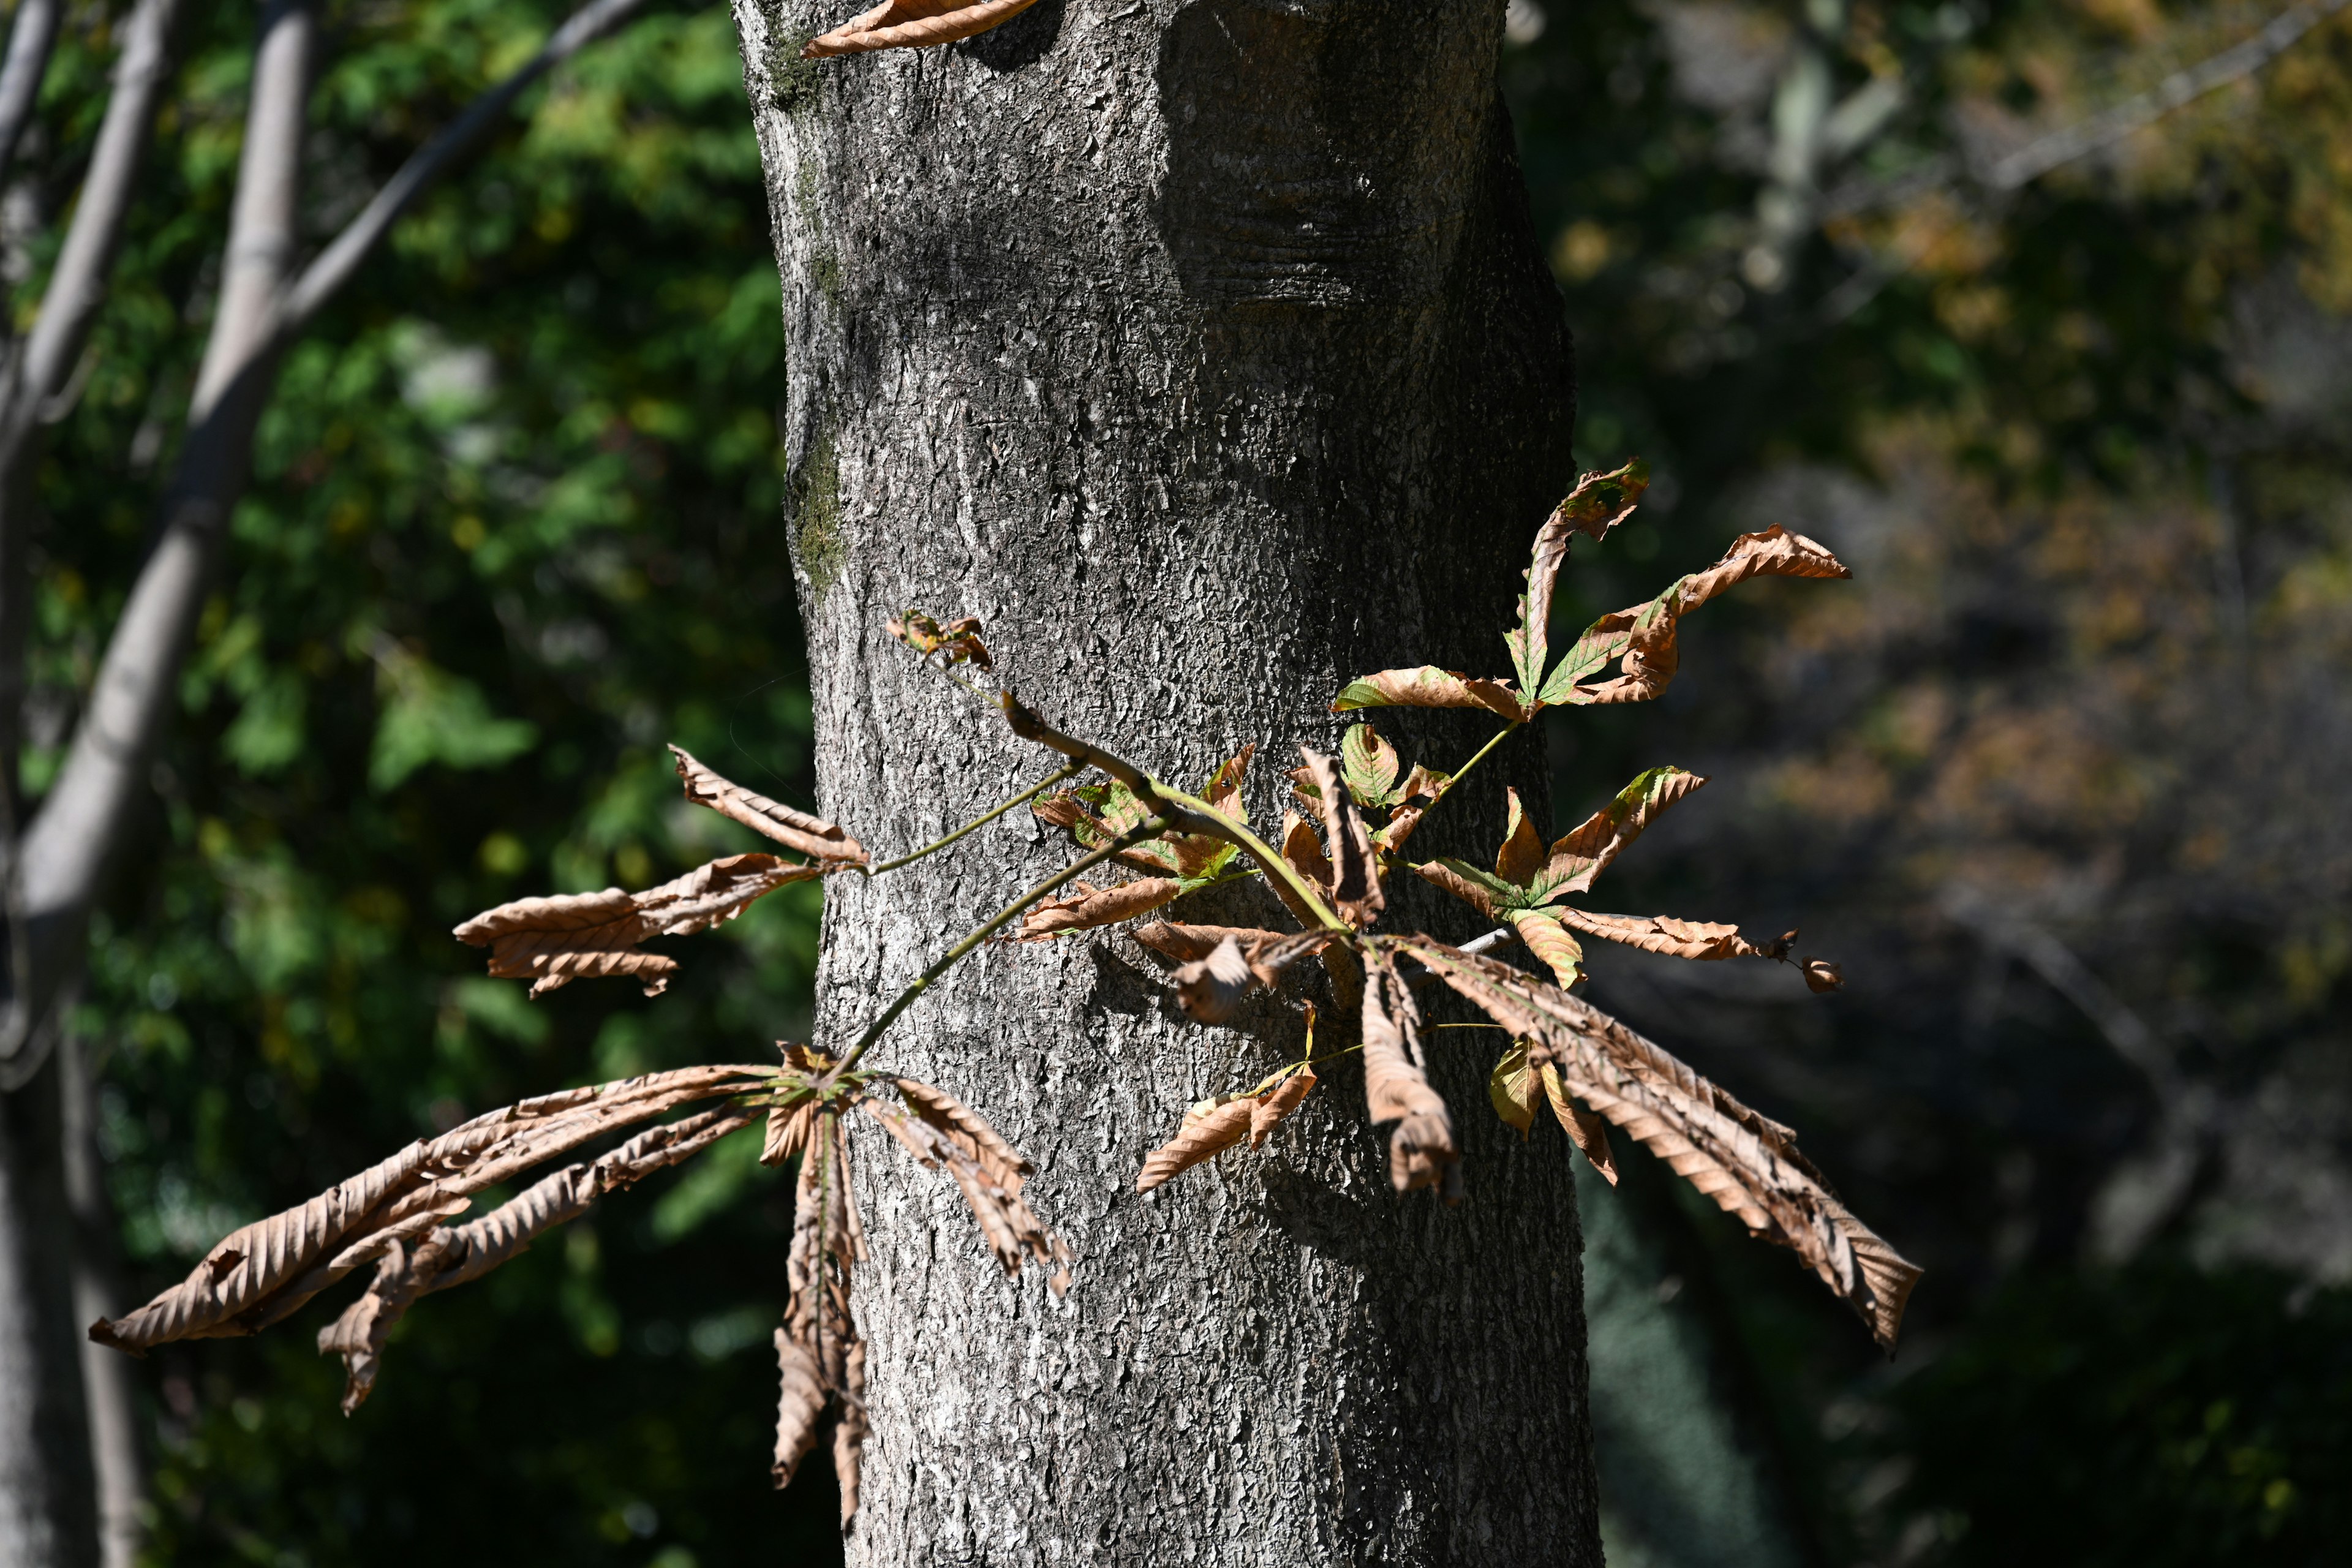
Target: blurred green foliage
x,y
513,526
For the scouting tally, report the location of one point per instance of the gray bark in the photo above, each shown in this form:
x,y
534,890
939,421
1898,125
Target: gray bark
x,y
109,1379
30,38
47,1503
1203,350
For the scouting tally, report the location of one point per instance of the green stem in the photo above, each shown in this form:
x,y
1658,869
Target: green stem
x,y
1268,860
976,823
1464,772
997,922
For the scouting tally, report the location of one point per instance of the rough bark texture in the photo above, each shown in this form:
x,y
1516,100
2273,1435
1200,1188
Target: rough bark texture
x,y
1204,350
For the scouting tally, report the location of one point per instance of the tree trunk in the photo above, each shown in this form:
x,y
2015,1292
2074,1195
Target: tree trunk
x,y
1204,350
47,1503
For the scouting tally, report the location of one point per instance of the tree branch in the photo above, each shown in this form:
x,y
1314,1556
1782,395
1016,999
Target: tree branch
x,y
30,42
68,843
334,266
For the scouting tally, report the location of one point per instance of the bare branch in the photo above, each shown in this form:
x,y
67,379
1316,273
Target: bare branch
x,y
334,266
30,42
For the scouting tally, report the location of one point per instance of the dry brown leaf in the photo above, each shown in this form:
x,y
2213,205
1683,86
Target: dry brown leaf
x,y
266,1270
1579,856
1224,791
1588,1132
1747,1163
1356,875
1208,1127
1443,875
1421,1151
788,1131
1646,633
1522,854
1821,975
1303,849
1550,940
1086,907
812,835
1422,789
1210,989
447,1256
912,24
553,941
959,641
819,1352
942,1132
1429,687
1664,933
1188,943
1270,1109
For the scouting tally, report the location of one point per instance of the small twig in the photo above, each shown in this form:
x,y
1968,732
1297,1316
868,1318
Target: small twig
x,y
997,922
976,823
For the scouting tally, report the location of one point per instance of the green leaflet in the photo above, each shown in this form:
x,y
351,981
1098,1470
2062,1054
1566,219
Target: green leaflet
x,y
1370,765
1514,1088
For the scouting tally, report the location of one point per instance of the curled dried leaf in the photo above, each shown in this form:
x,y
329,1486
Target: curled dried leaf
x,y
1303,849
913,25
1191,944
1581,856
942,1132
1355,874
553,941
819,1351
813,836
1522,854
1588,1132
1821,975
1664,933
1480,891
1210,989
1207,1128
1421,1151
1513,1087
1643,637
266,1270
958,643
1597,504
1426,686
1271,1109
1747,1163
1223,792
1086,907
446,1256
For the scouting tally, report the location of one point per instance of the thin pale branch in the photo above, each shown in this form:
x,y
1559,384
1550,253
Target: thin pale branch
x,y
30,42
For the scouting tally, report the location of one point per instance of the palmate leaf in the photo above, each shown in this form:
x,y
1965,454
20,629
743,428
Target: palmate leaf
x,y
1747,1163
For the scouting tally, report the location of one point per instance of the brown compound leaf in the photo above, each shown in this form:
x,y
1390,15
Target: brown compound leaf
x,y
1086,907
1427,685
267,1270
1422,1152
552,941
912,24
1747,1163
1356,873
446,1256
795,829
1208,1127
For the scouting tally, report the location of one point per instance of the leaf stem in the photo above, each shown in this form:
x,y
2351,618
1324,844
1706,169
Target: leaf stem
x,y
995,923
976,823
1464,772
